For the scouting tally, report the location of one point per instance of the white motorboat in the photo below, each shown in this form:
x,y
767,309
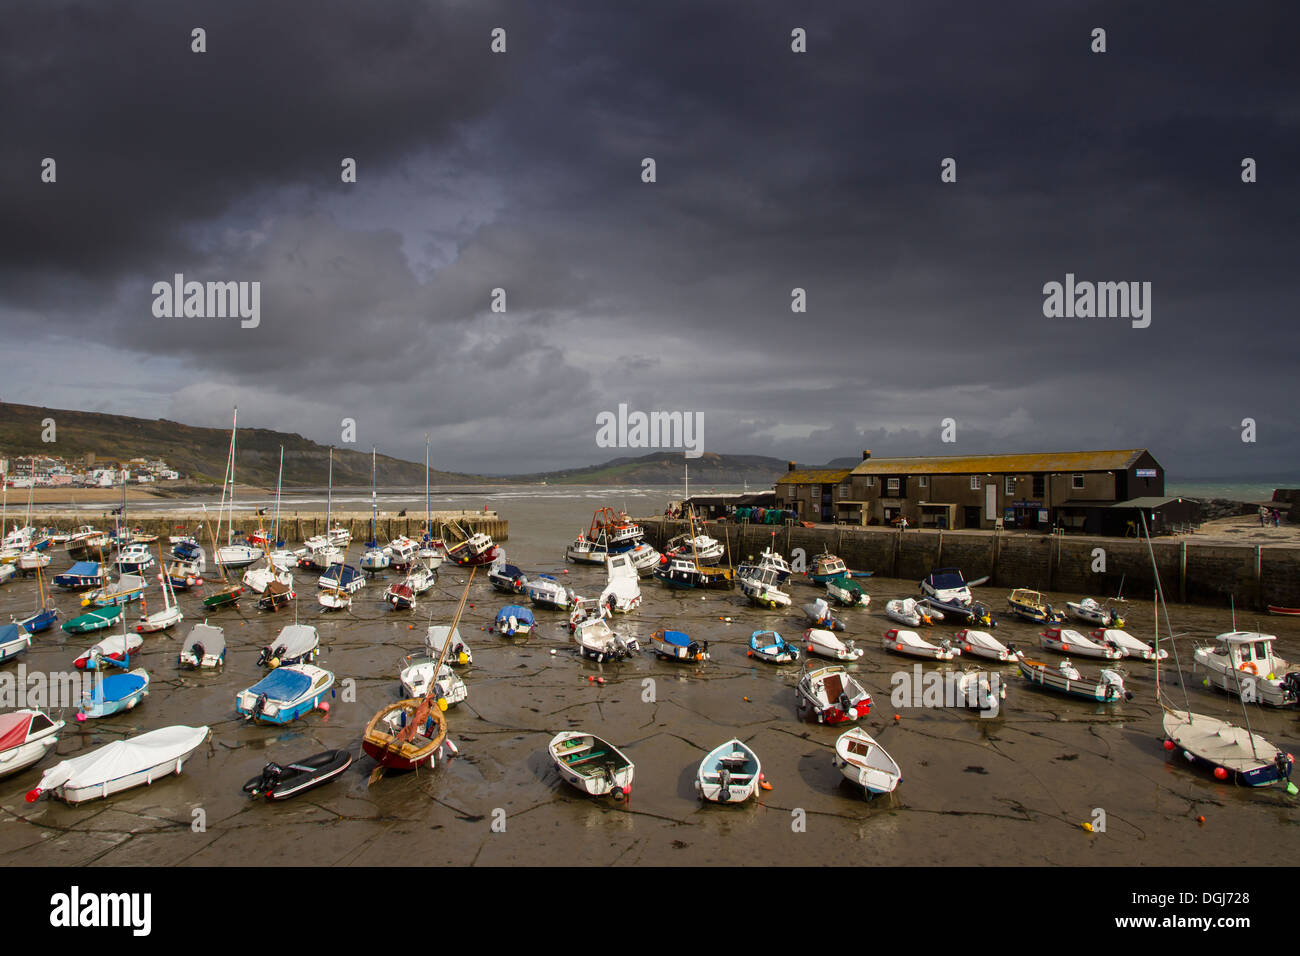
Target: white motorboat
x,y
863,761
402,551
258,580
948,586
597,642
232,557
546,591
120,765
623,588
823,643
771,647
459,654
1065,640
295,644
417,674
1094,612
911,612
1127,644
1243,663
831,694
983,644
205,646
911,644
762,587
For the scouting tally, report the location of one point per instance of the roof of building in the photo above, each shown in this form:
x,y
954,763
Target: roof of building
x,y
821,476
1066,461
1151,502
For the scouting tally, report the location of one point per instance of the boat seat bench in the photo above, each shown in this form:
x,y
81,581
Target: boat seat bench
x,y
592,756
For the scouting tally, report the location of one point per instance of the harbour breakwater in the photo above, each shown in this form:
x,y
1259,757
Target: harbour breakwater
x,y
296,527
1252,576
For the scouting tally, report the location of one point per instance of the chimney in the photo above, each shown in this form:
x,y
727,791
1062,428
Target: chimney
x,y
790,466
866,453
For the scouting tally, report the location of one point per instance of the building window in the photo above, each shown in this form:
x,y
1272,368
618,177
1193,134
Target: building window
x,y
892,485
871,481
815,492
844,489
1040,486
1076,482
923,481
974,482
1011,486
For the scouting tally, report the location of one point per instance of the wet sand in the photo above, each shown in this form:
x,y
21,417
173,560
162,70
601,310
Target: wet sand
x,y
1014,789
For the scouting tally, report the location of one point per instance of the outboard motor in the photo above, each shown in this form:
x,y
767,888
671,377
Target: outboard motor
x,y
199,653
845,704
1291,686
257,707
724,778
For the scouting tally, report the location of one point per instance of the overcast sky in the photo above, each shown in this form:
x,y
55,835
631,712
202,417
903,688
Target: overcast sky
x,y
775,170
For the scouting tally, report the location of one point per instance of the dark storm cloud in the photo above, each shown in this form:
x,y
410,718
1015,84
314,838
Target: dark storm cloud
x,y
775,170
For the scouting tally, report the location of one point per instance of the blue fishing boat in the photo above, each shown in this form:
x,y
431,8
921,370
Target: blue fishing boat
x,y
514,619
115,693
13,641
80,577
772,647
41,620
285,694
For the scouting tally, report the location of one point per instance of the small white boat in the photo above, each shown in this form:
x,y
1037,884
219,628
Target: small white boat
x,y
7,573
285,694
121,765
160,620
334,599
417,675
235,556
592,765
26,736
825,644
983,644
1107,688
14,640
729,773
762,587
258,580
702,549
848,592
911,612
402,551
205,646
1064,640
514,619
771,647
863,761
134,558
644,558
623,587
375,559
1094,612
546,591
295,644
597,642
819,614
459,652
679,646
911,644
116,648
34,560
114,694
1127,644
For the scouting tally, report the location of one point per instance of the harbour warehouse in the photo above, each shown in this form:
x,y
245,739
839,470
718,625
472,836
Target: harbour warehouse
x,y
1094,492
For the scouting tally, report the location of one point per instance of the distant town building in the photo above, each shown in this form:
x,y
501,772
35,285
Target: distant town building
x,y
812,493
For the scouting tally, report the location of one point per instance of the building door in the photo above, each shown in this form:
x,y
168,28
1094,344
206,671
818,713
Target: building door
x,y
971,517
990,501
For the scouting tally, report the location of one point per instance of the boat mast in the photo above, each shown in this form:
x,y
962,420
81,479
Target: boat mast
x,y
231,523
275,523
329,496
374,502
428,528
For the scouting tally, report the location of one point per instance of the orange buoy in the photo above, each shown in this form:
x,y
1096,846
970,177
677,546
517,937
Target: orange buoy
x,y
1200,819
898,717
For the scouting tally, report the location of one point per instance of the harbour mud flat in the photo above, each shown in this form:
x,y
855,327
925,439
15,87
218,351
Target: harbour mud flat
x,y
1010,789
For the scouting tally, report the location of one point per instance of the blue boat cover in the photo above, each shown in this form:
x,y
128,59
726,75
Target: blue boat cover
x,y
344,574
9,633
944,579
283,683
521,614
678,638
82,569
118,687
508,571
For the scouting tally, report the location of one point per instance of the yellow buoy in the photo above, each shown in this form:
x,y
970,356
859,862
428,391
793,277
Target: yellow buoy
x,y
463,657
1087,826
442,703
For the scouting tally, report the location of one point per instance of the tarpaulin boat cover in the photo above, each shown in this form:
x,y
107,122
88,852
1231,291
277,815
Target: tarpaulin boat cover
x,y
13,730
437,636
122,758
678,638
296,639
283,683
521,614
117,644
118,686
212,638
10,633
128,582
82,569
